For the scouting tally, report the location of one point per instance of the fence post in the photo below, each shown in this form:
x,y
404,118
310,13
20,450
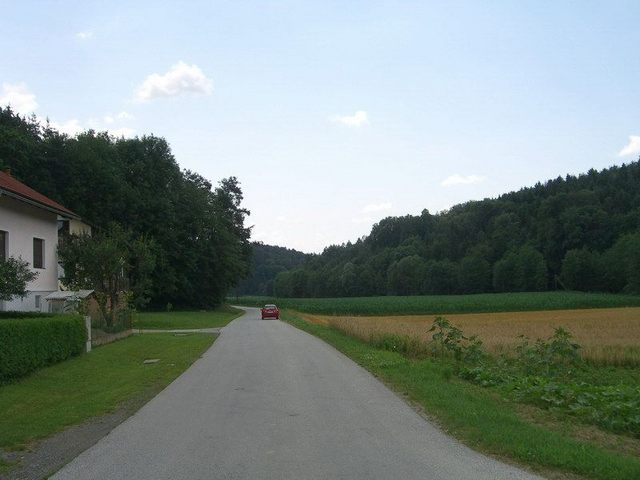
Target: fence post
x,y
87,324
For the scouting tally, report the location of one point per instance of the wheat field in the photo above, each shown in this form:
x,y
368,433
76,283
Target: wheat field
x,y
607,335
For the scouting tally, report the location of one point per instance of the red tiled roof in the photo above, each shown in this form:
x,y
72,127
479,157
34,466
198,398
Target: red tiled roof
x,y
20,190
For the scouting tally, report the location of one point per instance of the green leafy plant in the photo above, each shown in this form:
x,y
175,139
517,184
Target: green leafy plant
x,y
449,340
27,344
557,356
15,274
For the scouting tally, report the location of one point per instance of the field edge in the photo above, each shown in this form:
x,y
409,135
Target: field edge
x,y
577,460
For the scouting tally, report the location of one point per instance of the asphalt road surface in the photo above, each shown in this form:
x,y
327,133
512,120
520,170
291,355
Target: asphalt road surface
x,y
268,401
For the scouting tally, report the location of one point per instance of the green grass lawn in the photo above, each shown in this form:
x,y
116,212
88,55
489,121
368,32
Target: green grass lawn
x,y
93,384
480,417
178,319
440,304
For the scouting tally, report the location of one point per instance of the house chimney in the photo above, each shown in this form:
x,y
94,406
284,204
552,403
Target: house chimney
x,y
7,171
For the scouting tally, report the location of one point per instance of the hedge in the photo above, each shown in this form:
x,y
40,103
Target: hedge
x,y
13,315
27,344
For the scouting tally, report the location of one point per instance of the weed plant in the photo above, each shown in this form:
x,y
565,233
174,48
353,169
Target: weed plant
x,y
547,373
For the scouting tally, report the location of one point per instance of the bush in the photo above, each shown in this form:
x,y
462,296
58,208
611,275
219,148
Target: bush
x,y
28,344
15,315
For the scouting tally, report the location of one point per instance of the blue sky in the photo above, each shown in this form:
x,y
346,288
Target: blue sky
x,y
334,115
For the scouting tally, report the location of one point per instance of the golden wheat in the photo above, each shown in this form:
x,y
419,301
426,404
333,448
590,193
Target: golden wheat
x,y
607,335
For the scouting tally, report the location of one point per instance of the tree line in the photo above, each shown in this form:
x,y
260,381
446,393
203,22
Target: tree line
x,y
267,262
194,235
576,233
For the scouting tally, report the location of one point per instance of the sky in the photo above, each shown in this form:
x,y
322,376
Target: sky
x,y
334,115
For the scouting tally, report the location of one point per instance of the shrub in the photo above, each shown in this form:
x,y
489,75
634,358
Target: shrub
x,y
28,344
448,339
15,315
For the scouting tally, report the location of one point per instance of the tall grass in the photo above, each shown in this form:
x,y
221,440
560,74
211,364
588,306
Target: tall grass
x,y
447,304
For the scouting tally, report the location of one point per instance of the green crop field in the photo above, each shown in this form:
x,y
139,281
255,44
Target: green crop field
x,y
441,304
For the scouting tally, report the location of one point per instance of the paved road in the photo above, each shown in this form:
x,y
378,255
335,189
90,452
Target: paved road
x,y
268,401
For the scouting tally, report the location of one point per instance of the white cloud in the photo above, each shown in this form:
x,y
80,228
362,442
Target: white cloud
x,y
632,148
376,207
356,120
71,127
180,79
18,96
108,119
462,180
86,35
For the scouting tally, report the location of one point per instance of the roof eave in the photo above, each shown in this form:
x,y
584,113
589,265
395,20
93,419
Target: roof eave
x,y
63,213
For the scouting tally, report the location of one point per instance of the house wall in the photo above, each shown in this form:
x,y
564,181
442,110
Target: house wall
x,y
78,227
23,222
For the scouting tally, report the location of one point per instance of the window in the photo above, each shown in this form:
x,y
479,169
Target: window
x,y
38,253
38,301
4,253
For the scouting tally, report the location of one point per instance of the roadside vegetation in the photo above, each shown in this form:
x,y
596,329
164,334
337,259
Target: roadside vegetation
x,y
170,320
182,237
445,304
27,344
540,404
90,385
575,233
607,336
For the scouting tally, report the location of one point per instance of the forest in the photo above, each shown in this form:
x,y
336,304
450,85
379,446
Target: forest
x,y
573,233
195,231
267,262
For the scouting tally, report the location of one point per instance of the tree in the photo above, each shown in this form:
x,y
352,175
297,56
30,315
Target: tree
x,y
583,270
474,275
520,270
441,277
622,265
111,263
406,276
15,274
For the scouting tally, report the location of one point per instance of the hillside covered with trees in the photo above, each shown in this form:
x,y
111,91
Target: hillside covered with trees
x,y
267,262
195,231
576,233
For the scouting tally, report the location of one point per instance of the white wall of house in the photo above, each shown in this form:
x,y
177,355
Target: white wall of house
x,y
24,222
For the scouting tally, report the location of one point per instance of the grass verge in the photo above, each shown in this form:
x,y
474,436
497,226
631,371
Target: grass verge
x,y
178,319
5,466
93,384
448,304
478,417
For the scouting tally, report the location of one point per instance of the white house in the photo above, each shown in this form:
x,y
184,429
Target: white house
x,y
29,224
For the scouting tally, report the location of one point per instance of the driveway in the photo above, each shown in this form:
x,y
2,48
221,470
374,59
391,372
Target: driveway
x,y
268,401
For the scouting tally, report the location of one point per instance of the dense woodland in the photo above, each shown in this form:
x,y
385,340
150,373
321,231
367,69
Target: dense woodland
x,y
575,233
195,231
266,263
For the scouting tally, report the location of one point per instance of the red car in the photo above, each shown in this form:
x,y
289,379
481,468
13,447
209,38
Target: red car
x,y
270,311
